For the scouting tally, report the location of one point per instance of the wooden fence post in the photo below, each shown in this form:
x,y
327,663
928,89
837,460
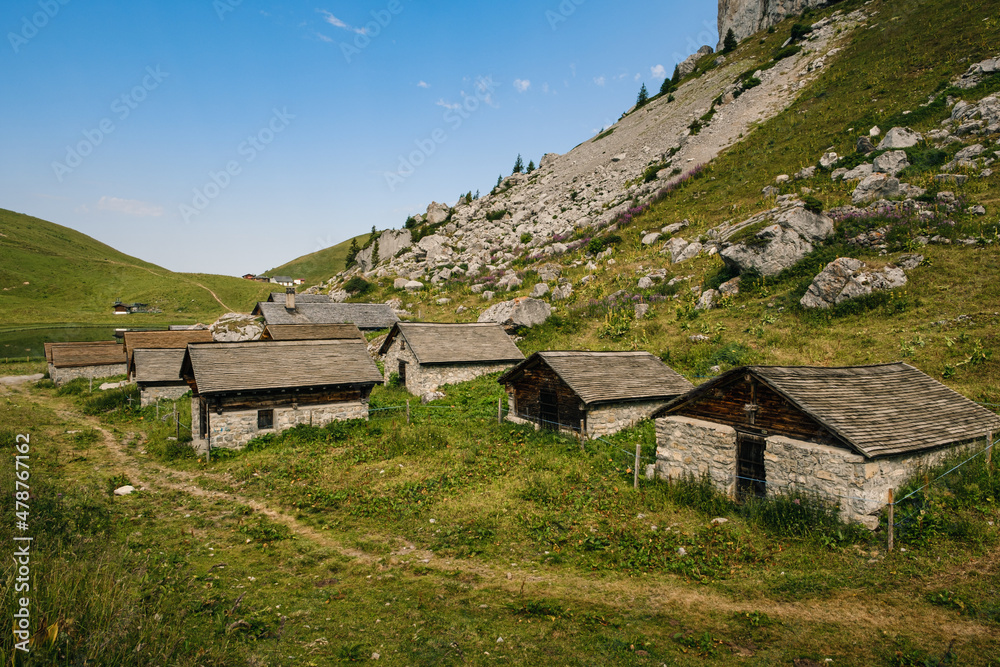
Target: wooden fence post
x,y
892,520
638,460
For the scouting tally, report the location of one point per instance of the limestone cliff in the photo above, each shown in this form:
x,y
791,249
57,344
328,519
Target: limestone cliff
x,y
745,17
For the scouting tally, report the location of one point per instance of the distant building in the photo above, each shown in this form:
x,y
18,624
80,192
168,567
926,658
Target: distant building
x,y
427,356
847,434
93,360
284,281
602,392
367,316
243,390
312,332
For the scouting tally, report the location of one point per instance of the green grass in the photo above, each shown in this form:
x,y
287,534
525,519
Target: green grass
x,y
52,274
319,266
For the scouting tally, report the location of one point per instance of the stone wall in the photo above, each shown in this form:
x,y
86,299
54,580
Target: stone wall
x,y
424,379
149,395
234,429
61,376
609,419
858,484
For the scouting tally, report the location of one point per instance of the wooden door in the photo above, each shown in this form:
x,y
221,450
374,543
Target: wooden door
x,y
751,479
402,373
548,409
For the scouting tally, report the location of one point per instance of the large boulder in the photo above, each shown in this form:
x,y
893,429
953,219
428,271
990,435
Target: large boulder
x,y
891,163
847,278
899,137
236,328
780,245
521,312
691,61
883,186
437,213
390,242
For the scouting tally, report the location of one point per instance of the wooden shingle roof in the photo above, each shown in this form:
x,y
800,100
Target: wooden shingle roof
x,y
49,346
156,365
311,332
876,410
364,315
279,297
455,343
79,355
608,377
263,365
163,340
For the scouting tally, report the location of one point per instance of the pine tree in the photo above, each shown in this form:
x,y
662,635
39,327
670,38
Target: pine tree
x,y
730,42
676,78
375,253
518,165
352,253
643,96
666,87
531,166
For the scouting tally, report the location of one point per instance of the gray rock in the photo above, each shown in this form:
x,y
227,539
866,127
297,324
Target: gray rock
x,y
860,172
641,310
838,173
521,312
780,249
413,286
431,396
707,300
478,289
390,242
865,145
691,61
547,160
730,287
675,246
460,310
978,209
910,261
645,282
651,238
808,172
562,292
338,295
899,137
443,301
883,186
124,490
782,178
437,213
845,278
956,179
399,283
828,160
690,251
488,295
236,328
970,152
539,290
891,163
699,338
771,191
675,227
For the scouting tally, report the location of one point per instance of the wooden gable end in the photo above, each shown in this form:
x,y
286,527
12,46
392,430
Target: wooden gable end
x,y
747,403
540,383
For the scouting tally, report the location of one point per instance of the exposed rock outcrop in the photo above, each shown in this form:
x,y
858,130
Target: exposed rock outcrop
x,y
847,278
521,312
236,328
745,17
779,245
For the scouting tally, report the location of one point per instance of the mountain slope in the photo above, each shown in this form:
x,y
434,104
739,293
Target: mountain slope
x,y
50,273
320,265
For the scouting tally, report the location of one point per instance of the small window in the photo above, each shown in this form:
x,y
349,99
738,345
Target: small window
x,y
265,419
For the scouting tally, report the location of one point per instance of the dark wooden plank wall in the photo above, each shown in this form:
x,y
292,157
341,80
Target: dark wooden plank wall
x,y
530,385
266,401
777,416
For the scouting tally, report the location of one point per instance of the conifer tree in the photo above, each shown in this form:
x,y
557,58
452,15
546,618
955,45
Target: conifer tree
x,y
730,42
666,87
518,165
676,78
352,253
531,166
643,96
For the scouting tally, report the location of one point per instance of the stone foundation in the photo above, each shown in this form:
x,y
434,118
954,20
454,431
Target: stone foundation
x,y
859,485
61,376
233,430
609,419
150,395
421,380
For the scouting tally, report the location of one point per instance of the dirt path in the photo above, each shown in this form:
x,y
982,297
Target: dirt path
x,y
160,275
670,600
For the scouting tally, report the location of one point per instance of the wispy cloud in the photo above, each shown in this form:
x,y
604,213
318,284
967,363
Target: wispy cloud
x,y
659,72
522,85
130,207
446,105
599,80
423,84
337,23
323,38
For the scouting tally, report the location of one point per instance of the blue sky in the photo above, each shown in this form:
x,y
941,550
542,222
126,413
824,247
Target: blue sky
x,y
227,136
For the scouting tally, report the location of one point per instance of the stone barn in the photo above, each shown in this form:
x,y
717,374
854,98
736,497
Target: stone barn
x,y
243,390
101,359
311,332
847,434
158,374
427,356
605,391
366,316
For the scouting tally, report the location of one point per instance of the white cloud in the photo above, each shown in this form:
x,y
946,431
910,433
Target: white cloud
x,y
599,80
659,72
323,38
337,23
130,207
446,105
522,85
638,76
423,84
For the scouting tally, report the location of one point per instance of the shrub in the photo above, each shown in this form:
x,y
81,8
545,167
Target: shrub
x,y
617,323
600,243
812,204
525,238
357,286
800,30
787,52
493,216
